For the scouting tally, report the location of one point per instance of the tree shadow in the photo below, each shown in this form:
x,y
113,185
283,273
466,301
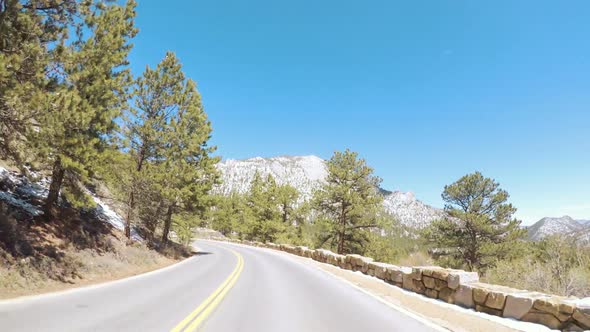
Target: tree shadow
x,y
29,243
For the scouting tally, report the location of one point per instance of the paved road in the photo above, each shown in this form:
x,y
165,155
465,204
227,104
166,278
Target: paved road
x,y
265,291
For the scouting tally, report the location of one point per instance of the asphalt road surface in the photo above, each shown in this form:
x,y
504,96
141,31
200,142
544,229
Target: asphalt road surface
x,y
224,288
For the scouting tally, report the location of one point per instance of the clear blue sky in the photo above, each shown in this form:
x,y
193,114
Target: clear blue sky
x,y
425,91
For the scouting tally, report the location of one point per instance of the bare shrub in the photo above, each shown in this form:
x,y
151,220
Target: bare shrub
x,y
556,265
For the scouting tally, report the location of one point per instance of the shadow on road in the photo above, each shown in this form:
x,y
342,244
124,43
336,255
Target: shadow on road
x,y
201,253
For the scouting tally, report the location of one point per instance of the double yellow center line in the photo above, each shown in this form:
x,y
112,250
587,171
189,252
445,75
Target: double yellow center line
x,y
199,315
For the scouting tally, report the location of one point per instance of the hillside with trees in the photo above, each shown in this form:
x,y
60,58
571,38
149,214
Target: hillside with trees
x,y
75,123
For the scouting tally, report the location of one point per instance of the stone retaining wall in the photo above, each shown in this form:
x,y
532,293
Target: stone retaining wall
x,y
458,287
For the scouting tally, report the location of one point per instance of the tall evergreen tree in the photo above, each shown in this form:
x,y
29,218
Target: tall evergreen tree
x,y
349,202
28,29
265,217
480,228
91,90
185,171
287,198
157,96
227,213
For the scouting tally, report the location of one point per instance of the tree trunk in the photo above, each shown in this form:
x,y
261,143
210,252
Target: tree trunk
x,y
57,177
167,224
341,240
285,214
130,206
342,232
153,222
131,200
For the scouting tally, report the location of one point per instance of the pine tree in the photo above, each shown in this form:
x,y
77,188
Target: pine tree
x,y
227,213
157,96
265,222
28,29
185,170
480,228
287,198
349,202
91,90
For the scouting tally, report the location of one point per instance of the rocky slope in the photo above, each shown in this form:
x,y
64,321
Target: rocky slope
x,y
303,172
306,173
565,225
409,210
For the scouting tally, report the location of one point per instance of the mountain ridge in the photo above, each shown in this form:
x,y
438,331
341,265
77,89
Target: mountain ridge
x,y
564,225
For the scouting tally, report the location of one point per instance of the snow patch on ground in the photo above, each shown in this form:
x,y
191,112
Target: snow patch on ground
x,y
25,190
583,303
21,204
107,215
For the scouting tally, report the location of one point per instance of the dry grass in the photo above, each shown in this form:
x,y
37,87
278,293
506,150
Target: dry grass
x,y
77,268
43,256
554,276
418,258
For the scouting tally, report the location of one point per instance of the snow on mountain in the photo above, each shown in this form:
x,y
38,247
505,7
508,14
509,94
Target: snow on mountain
x,y
409,210
565,225
306,173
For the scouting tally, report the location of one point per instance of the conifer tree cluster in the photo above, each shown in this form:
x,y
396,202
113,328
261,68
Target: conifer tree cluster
x,y
70,106
266,213
344,213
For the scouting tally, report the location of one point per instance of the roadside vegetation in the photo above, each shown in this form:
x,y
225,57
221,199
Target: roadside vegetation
x,y
70,108
558,265
73,115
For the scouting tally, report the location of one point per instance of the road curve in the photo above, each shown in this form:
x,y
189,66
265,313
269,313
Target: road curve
x,y
225,288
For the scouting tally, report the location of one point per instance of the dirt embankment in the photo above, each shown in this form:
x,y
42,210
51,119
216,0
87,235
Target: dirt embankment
x,y
78,247
38,257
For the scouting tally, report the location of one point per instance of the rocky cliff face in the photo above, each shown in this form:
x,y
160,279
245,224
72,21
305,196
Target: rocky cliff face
x,y
409,210
306,173
565,225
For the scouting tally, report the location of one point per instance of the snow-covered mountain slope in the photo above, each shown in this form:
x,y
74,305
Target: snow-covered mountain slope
x,y
306,173
409,210
565,225
303,172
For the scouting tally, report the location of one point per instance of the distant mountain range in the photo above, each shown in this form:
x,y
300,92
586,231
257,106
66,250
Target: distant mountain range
x,y
565,225
306,174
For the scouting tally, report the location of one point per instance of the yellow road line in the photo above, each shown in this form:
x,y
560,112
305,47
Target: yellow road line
x,y
195,324
196,317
